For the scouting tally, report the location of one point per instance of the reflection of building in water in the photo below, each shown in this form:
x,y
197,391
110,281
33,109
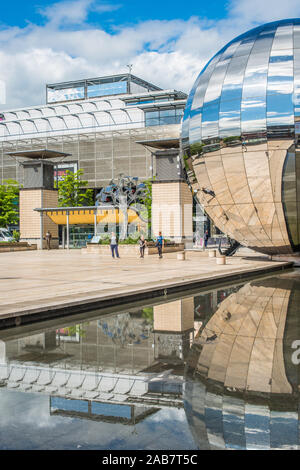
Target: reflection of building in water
x,y
231,422
115,343
132,359
242,386
206,304
173,330
105,361
97,411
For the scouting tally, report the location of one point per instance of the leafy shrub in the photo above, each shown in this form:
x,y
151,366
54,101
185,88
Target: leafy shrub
x,y
128,241
16,235
104,240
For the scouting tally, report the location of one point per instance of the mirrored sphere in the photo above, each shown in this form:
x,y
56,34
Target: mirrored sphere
x,y
240,135
242,377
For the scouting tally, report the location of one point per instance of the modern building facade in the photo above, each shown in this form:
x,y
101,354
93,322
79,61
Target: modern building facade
x,y
102,126
98,122
240,137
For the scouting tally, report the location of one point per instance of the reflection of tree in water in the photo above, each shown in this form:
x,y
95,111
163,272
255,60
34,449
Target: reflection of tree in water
x,y
76,330
147,314
124,330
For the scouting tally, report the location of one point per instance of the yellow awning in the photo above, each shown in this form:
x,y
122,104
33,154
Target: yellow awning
x,y
86,216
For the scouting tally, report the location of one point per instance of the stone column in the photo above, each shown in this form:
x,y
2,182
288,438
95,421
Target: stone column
x,y
30,220
172,199
38,192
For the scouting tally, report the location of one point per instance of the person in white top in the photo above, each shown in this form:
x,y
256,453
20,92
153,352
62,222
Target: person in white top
x,y
114,245
143,244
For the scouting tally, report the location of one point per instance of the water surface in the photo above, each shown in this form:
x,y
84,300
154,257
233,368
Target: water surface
x,y
212,370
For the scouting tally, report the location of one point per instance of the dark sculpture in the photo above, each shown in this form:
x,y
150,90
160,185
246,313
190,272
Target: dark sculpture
x,y
126,192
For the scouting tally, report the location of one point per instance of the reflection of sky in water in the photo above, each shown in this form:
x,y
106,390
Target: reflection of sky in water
x,y
26,424
257,427
221,417
230,423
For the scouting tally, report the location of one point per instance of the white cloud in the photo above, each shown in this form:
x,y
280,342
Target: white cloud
x,y
258,11
67,12
167,53
74,12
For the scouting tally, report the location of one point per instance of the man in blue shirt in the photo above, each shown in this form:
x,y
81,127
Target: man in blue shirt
x,y
159,244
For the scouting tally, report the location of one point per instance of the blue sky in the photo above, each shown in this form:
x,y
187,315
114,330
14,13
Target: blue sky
x,y
168,42
123,12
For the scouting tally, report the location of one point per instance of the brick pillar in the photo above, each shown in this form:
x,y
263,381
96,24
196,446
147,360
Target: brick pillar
x,y
30,220
177,316
173,330
172,210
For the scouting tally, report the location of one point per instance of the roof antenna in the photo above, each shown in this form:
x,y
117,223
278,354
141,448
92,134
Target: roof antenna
x,y
129,67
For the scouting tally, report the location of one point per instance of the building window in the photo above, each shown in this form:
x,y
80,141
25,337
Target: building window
x,y
65,94
106,89
148,100
163,117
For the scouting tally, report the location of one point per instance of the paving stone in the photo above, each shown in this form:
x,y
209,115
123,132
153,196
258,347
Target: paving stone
x,y
62,277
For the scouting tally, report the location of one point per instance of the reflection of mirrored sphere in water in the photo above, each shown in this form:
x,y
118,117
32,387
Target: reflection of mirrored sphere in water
x,y
240,138
242,375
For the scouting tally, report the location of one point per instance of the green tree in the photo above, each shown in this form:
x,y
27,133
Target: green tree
x,y
196,148
148,315
74,329
72,191
9,195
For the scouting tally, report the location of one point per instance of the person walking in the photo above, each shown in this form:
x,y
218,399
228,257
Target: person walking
x,y
159,244
206,237
114,245
48,239
142,243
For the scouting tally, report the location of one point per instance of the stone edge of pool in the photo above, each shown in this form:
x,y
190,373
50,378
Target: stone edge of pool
x,y
31,315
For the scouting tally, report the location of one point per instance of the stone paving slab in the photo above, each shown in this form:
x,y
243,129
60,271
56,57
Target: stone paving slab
x,y
35,281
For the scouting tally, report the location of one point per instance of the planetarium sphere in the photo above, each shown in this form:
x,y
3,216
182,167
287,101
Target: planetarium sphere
x,y
240,135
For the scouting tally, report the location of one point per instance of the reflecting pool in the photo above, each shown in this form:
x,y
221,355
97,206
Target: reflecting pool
x,y
210,370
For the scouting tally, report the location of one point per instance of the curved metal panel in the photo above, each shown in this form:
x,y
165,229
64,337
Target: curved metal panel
x,y
242,126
